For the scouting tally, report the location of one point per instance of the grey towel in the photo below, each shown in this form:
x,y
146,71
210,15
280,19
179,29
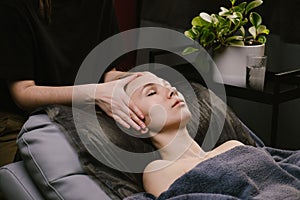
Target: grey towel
x,y
243,172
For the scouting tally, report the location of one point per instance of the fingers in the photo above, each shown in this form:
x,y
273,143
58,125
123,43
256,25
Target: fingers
x,y
124,81
120,112
118,105
136,120
119,117
121,121
136,115
130,78
126,118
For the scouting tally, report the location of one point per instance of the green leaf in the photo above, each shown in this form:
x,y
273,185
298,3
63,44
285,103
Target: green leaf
x,y
206,17
232,16
223,27
240,7
253,5
255,19
244,22
236,43
262,39
207,37
224,11
221,20
252,31
234,38
239,15
238,18
189,50
242,30
223,31
232,2
190,34
235,20
262,29
196,21
196,30
215,20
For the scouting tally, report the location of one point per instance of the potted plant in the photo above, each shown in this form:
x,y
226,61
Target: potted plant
x,y
235,32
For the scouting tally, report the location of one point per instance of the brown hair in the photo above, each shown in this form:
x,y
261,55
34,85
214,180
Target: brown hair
x,y
45,9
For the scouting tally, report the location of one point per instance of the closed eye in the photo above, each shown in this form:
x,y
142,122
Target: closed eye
x,y
150,93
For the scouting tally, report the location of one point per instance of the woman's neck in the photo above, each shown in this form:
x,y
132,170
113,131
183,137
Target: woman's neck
x,y
177,144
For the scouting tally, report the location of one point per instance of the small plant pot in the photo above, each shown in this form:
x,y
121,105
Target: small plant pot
x,y
231,63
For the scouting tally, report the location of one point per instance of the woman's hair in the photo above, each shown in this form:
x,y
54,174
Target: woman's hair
x,y
45,9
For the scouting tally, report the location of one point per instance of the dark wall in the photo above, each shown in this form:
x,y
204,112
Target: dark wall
x,y
282,17
127,14
128,17
176,13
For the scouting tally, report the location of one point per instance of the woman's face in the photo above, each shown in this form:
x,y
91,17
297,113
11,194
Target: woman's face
x,y
163,106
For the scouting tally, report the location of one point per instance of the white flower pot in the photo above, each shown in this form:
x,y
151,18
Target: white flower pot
x,y
231,63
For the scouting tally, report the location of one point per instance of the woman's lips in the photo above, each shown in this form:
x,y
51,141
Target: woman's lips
x,y
178,102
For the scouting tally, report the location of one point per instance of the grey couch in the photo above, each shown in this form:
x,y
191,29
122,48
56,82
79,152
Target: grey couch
x,y
43,176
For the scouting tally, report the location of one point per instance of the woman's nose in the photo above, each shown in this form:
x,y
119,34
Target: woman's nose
x,y
172,92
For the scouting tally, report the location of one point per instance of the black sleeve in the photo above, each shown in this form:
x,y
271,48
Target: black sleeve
x,y
16,45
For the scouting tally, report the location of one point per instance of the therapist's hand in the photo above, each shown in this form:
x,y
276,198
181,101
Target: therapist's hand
x,y
113,100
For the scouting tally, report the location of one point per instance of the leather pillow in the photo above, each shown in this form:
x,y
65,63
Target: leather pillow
x,y
53,164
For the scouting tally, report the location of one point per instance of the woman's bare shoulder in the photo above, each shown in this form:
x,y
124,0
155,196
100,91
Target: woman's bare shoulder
x,y
232,143
226,146
155,165
158,176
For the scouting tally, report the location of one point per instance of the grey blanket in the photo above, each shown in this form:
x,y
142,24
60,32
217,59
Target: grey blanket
x,y
244,172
